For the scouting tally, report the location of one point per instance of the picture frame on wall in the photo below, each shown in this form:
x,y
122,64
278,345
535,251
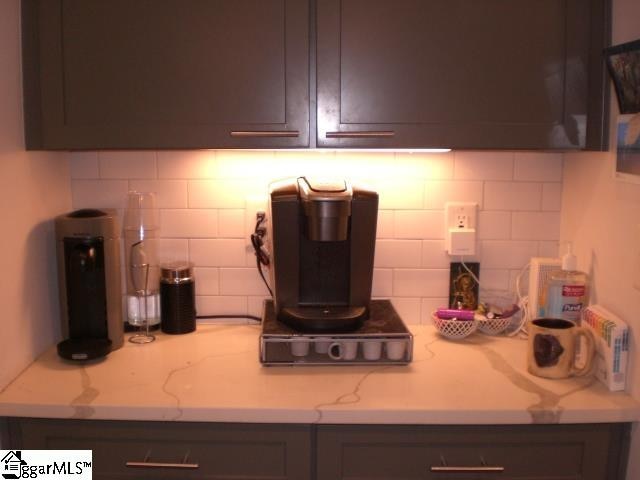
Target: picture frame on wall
x,y
623,63
628,148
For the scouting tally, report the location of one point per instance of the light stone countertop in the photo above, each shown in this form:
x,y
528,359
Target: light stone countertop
x,y
213,375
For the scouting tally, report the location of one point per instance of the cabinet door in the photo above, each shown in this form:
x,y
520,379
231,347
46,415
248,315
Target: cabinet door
x,y
174,450
166,73
500,74
543,452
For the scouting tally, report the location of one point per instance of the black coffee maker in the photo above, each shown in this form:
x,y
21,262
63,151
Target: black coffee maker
x,y
87,247
322,240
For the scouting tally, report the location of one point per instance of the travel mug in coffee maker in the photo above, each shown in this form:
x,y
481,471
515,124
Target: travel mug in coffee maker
x,y
177,298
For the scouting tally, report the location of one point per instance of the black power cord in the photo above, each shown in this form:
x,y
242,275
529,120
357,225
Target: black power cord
x,y
257,241
262,258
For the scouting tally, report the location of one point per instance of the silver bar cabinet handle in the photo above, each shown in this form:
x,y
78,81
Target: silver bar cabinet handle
x,y
147,464
467,469
264,133
184,466
361,134
482,468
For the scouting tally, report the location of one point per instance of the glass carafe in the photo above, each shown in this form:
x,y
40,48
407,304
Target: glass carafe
x,y
141,264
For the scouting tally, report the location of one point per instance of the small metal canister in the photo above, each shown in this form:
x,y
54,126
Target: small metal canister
x,y
177,298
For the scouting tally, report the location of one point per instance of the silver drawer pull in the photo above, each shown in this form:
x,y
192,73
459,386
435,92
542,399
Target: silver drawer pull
x,y
185,466
147,464
467,469
483,467
264,133
361,134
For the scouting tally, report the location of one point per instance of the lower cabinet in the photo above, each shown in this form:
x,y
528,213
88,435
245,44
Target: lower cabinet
x,y
164,450
540,452
174,450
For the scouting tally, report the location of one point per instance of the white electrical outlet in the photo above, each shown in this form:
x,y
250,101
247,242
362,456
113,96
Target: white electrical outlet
x,y
460,228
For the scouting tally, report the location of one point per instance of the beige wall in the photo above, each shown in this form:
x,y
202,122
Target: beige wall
x,y
34,187
601,216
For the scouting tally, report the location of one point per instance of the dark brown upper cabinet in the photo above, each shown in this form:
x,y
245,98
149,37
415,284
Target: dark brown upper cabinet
x,y
130,74
494,74
467,74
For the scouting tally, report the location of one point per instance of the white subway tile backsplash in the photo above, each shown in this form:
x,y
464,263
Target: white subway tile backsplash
x,y
217,252
208,200
139,164
84,165
188,223
494,225
173,250
99,193
431,166
241,281
385,225
549,249
539,167
418,224
507,253
174,164
434,255
358,165
483,166
247,163
255,306
217,193
437,193
535,226
298,163
231,223
420,283
207,280
398,253
512,196
170,193
551,197
492,280
430,305
382,282
408,309
221,305
398,193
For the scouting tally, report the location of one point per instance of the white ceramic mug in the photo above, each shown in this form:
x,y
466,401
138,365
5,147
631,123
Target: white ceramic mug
x,y
343,350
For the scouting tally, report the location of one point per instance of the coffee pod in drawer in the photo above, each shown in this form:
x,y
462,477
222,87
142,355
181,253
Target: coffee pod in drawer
x,y
395,349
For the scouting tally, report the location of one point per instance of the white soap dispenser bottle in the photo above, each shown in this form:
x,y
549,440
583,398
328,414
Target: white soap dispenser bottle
x,y
567,290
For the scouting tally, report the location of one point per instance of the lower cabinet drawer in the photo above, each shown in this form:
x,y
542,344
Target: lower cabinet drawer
x,y
576,452
178,450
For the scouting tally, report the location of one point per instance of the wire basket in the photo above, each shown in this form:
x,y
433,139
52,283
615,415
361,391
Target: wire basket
x,y
494,326
454,329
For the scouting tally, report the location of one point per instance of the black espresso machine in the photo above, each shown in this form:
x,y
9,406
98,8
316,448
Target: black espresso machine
x,y
321,237
88,246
